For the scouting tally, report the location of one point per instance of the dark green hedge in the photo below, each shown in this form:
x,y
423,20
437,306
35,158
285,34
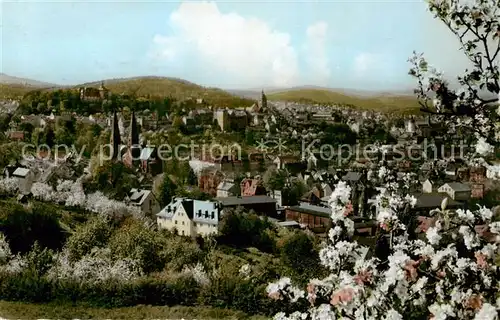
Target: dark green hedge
x,y
224,292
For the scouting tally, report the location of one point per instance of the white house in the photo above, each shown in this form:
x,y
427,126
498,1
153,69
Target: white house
x,y
227,188
277,195
145,200
25,178
457,191
190,217
427,186
410,126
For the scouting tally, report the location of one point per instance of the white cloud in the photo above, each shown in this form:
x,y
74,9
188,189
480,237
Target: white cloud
x,y
316,54
365,62
244,49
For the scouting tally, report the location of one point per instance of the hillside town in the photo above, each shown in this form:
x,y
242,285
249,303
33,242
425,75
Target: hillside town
x,y
154,197
249,179
280,162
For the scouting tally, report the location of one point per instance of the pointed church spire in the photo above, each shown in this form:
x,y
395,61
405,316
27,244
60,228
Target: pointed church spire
x,y
134,131
134,138
115,138
264,100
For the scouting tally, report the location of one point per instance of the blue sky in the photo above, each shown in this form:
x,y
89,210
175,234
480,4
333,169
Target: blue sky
x,y
229,44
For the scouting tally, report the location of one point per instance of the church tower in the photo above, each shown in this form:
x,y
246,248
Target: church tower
x,y
264,101
115,138
103,91
134,146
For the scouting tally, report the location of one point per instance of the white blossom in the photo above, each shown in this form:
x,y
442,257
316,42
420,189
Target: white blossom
x,y
9,185
95,267
483,148
5,253
198,273
487,312
42,191
433,235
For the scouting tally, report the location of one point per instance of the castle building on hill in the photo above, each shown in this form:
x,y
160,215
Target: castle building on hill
x,y
94,94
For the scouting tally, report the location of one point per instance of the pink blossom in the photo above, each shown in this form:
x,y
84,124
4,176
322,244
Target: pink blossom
x,y
481,260
363,277
342,296
411,270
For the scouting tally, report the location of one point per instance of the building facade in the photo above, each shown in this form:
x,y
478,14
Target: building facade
x,y
188,217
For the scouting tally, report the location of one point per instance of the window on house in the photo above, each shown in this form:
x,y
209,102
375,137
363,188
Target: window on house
x,y
175,221
182,222
182,232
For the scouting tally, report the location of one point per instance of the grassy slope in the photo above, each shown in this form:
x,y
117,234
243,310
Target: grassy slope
x,y
180,89
158,86
394,104
18,310
13,91
153,86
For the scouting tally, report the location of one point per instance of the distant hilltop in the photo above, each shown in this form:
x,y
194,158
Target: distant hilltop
x,y
10,80
398,102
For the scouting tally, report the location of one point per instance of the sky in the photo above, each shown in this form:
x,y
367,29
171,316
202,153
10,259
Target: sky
x,y
227,44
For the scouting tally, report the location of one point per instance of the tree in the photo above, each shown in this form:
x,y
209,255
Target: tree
x,y
245,229
299,256
23,227
135,241
114,178
63,137
27,128
49,136
249,136
275,179
337,133
167,190
94,233
194,193
293,191
5,121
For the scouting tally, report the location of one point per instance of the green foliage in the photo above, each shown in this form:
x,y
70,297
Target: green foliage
x,y
381,134
28,129
5,119
180,252
337,134
299,256
10,153
23,227
38,260
93,233
86,138
293,191
232,291
167,190
160,95
114,179
182,172
193,193
275,179
242,229
133,240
